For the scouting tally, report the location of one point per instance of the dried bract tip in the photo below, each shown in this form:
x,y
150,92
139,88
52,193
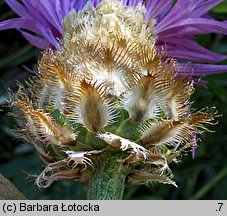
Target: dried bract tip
x,y
53,173
168,132
141,177
142,101
41,126
123,144
93,109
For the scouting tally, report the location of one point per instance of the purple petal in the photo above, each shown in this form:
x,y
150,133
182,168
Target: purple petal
x,y
17,23
34,12
124,2
177,13
63,7
133,3
191,55
200,82
155,7
200,69
189,49
28,69
163,13
203,25
193,146
96,2
183,10
59,10
36,41
205,7
18,8
193,151
48,34
49,13
80,4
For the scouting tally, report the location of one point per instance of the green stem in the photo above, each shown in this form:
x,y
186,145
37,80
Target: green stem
x,y
108,179
210,184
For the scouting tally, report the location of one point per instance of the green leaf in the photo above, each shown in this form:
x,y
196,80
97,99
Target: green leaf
x,y
221,8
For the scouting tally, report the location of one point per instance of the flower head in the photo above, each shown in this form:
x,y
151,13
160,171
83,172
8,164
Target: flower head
x,y
41,23
108,94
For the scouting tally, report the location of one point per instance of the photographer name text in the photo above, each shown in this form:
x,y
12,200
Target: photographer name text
x,y
38,207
